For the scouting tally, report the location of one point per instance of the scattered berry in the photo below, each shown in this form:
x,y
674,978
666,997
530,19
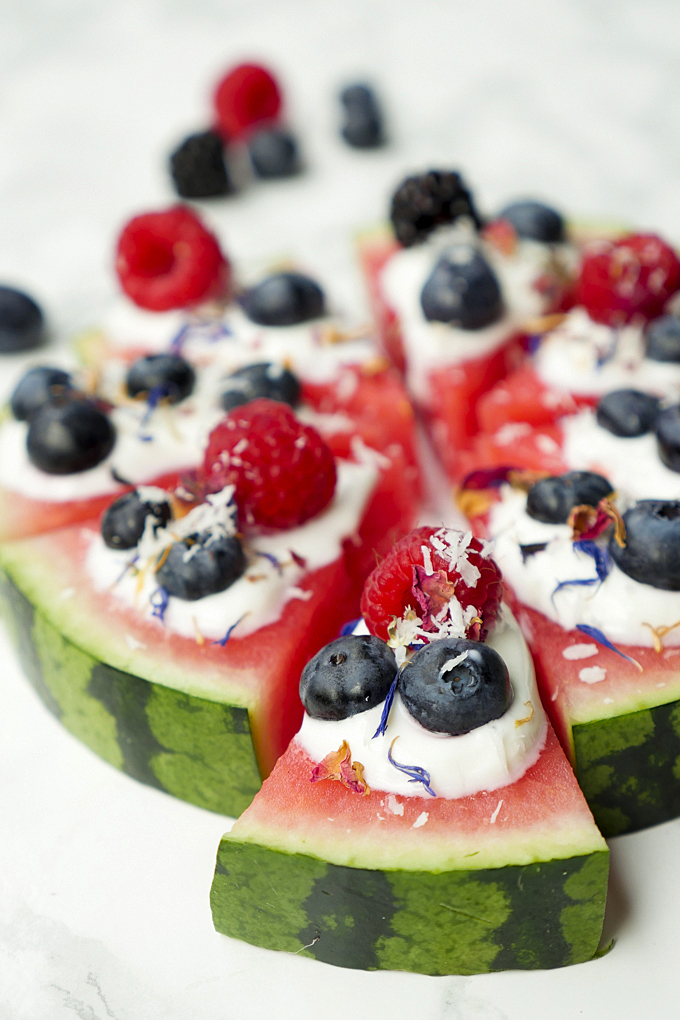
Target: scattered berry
x,y
40,386
348,676
462,290
551,500
284,299
124,522
246,96
663,339
534,220
263,379
160,377
389,590
64,439
627,413
454,686
651,554
668,436
632,277
423,203
201,565
274,153
282,470
198,168
21,322
169,260
363,127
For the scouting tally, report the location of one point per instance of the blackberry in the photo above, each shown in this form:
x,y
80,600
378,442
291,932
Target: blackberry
x,y
422,203
198,169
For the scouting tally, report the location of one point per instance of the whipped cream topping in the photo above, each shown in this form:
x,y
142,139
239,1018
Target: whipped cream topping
x,y
522,271
487,758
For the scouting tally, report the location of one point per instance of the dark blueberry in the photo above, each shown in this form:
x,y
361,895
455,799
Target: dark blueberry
x,y
551,500
201,565
66,438
663,339
462,290
284,299
651,554
534,220
261,380
627,413
124,522
21,322
274,153
161,377
423,203
455,699
363,126
40,386
668,436
198,169
348,676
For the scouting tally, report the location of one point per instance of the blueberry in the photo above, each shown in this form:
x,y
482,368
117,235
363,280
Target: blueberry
x,y
551,500
274,153
663,339
627,413
260,380
348,676
66,438
534,220
21,322
201,565
284,299
124,522
462,290
363,127
668,436
198,169
651,554
163,376
40,386
455,699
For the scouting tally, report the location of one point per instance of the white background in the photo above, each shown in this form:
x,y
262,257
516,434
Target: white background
x,y
104,883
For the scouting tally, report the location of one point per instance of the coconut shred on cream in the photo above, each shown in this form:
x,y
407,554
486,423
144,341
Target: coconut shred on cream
x,y
489,757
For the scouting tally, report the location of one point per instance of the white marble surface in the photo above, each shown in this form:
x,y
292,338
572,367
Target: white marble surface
x,y
104,883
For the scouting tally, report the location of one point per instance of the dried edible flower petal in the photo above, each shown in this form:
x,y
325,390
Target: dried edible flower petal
x,y
338,765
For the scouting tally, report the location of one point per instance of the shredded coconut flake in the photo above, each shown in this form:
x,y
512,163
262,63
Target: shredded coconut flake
x,y
494,816
299,593
585,651
421,819
393,805
452,663
592,674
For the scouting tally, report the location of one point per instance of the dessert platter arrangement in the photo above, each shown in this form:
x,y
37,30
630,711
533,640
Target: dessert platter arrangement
x,y
216,574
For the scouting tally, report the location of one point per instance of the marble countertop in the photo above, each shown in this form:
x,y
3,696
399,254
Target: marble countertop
x,y
103,882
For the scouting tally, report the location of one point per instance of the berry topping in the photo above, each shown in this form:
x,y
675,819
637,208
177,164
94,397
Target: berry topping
x,y
632,277
363,127
534,220
454,686
462,290
274,153
263,379
40,386
198,169
201,564
421,204
169,260
66,438
651,553
627,413
21,322
161,377
433,580
551,500
247,95
284,299
663,339
282,470
668,436
124,522
348,676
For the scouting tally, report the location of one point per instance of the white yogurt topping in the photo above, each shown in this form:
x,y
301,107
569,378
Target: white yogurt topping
x,y
521,270
259,596
619,606
487,758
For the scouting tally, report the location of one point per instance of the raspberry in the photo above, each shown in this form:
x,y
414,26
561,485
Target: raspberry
x,y
169,260
633,276
393,586
248,95
283,471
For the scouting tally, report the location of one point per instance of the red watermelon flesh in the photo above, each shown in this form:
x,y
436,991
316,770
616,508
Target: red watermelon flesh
x,y
523,396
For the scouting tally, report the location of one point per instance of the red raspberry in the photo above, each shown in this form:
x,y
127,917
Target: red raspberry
x,y
169,260
396,584
248,95
283,471
634,276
